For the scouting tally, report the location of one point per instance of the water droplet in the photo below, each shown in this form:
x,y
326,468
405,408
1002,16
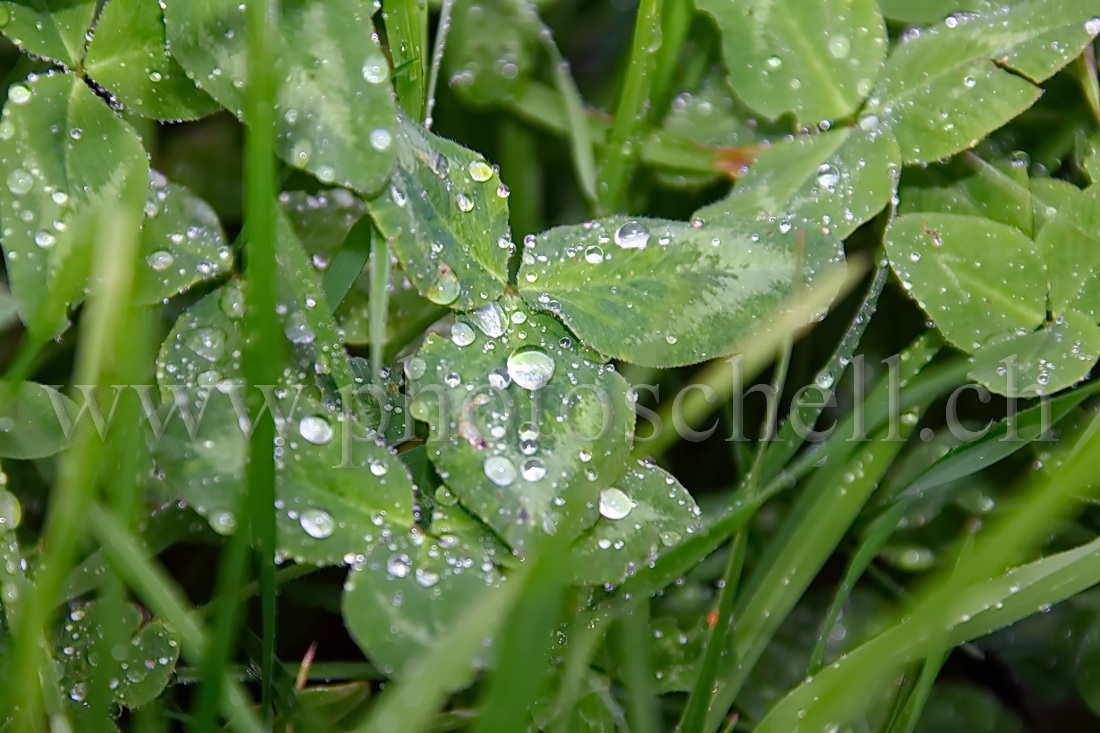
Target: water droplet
x,y
59,197
452,379
378,468
462,334
209,342
533,469
297,328
593,254
503,191
415,368
78,692
490,319
398,565
5,16
445,289
315,429
375,73
465,203
231,302
839,46
44,239
774,62
161,260
670,538
155,76
531,367
1092,26
632,235
20,182
614,504
784,226
500,470
11,511
326,174
670,339
224,523
380,139
969,81
317,523
480,171
76,133
499,378
827,176
19,94
439,164
426,578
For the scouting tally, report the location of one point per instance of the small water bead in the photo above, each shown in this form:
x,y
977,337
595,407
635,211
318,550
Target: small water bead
x,y
614,504
828,176
398,196
499,378
670,538
490,319
375,73
439,164
378,468
774,62
231,302
480,171
1092,26
317,523
426,578
11,511
462,334
452,379
670,339
208,342
528,446
20,181
297,329
503,191
78,692
398,565
533,469
44,239
529,240
326,174
632,235
500,470
160,260
519,317
76,133
593,254
969,81
224,523
315,429
531,367
415,368
445,289
839,46
465,203
19,94
380,139
155,76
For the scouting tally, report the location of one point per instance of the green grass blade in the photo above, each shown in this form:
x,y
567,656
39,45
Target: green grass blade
x,y
407,32
379,305
635,668
348,264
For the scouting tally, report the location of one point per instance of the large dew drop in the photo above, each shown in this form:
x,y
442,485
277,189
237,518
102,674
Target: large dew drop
x,y
444,290
317,523
462,334
315,429
530,367
632,235
480,171
500,470
490,319
614,504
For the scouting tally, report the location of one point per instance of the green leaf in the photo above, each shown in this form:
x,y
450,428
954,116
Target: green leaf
x,y
1073,268
927,12
128,56
183,241
324,222
55,29
405,594
657,513
335,108
526,425
30,426
63,155
664,293
338,489
1056,356
838,179
817,60
945,88
968,185
974,277
446,214
137,670
490,68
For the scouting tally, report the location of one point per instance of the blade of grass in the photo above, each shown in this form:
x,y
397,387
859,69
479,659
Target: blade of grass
x,y
676,16
379,304
441,31
636,669
518,156
584,638
620,155
407,36
348,264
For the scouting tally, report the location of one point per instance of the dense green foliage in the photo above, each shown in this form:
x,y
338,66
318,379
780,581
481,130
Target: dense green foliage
x,y
315,418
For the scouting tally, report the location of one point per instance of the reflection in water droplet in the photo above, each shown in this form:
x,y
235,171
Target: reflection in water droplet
x,y
44,239
317,523
531,367
375,73
378,468
462,334
20,181
426,578
490,319
480,171
11,511
444,290
614,504
415,368
297,328
500,470
439,164
499,377
465,203
161,260
315,429
839,46
670,538
632,235
533,469
19,94
209,343
231,302
593,254
380,139
398,565
827,176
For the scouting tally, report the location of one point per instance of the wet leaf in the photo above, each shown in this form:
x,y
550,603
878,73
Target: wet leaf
x,y
446,213
33,418
817,60
838,179
927,12
968,185
406,593
137,671
129,56
651,511
334,106
338,489
183,241
63,155
489,68
664,293
526,425
974,277
944,88
55,29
